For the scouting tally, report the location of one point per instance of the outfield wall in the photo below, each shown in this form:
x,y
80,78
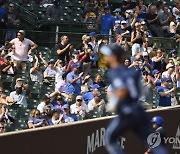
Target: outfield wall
x,y
85,137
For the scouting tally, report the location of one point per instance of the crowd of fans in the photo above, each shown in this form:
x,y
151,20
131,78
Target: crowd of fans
x,y
77,93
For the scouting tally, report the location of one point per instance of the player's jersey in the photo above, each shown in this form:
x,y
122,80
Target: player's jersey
x,y
129,79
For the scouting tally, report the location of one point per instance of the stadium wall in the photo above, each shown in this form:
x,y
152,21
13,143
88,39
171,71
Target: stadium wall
x,y
86,137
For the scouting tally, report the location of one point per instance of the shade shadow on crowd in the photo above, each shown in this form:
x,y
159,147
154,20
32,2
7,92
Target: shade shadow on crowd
x,y
40,86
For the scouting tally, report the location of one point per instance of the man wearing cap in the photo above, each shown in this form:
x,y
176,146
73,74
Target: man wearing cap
x,y
97,104
45,101
106,20
127,90
8,66
164,93
128,5
156,77
123,30
117,19
169,73
21,46
50,70
67,117
19,96
79,107
74,81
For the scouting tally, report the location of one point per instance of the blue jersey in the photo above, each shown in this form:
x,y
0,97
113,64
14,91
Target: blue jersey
x,y
166,100
129,79
106,23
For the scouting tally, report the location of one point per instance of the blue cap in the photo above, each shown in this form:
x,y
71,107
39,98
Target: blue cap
x,y
164,79
117,10
93,34
74,66
95,86
107,7
155,72
158,120
173,51
112,49
75,51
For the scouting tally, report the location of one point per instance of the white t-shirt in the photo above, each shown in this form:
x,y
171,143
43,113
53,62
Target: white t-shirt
x,y
41,106
165,74
59,72
19,98
21,48
174,10
36,76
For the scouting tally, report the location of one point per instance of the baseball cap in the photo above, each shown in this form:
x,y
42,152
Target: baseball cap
x,y
46,96
112,49
84,37
173,51
22,32
93,34
155,72
51,61
117,10
18,86
59,97
66,106
19,79
169,66
145,72
74,66
95,86
143,23
75,52
123,22
129,11
107,7
164,79
145,54
79,97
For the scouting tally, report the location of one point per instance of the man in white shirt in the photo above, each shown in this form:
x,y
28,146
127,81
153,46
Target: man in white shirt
x,y
21,49
46,101
19,96
97,104
170,72
79,107
176,10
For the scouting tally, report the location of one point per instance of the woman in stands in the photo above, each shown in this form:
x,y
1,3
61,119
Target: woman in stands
x,y
5,99
35,120
4,115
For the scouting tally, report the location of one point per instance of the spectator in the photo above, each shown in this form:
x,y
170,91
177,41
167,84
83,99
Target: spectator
x,y
159,7
61,85
8,66
3,17
75,60
128,5
4,115
67,117
56,118
35,120
12,23
59,103
160,60
156,77
130,18
137,38
106,21
117,19
147,64
174,57
74,81
165,18
123,31
173,28
176,10
141,10
90,17
94,44
2,127
127,62
97,104
154,22
164,93
54,11
145,30
21,45
64,49
148,86
19,96
98,80
60,70
146,47
36,72
169,73
47,113
50,70
5,99
79,107
45,101
86,51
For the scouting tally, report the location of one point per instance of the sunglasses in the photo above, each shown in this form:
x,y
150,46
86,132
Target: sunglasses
x,y
79,100
37,114
2,127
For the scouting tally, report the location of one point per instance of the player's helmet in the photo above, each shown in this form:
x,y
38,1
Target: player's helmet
x,y
158,120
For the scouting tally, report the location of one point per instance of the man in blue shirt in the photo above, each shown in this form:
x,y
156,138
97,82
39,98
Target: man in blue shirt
x,y
106,21
117,19
74,80
164,93
126,86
